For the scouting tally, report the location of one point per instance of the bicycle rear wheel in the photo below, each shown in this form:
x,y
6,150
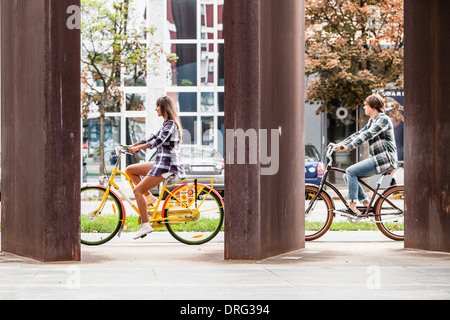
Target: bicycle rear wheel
x,y
99,225
318,213
202,222
390,213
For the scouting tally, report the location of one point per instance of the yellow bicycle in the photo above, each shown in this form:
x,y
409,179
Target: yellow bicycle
x,y
193,212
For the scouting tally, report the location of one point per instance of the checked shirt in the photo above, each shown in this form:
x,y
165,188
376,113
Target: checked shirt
x,y
379,132
168,157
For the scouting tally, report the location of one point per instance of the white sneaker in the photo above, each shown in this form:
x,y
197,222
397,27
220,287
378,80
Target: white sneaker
x,y
145,229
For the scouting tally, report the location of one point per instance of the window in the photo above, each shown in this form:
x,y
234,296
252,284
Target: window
x,y
126,112
184,101
195,81
180,14
193,32
184,70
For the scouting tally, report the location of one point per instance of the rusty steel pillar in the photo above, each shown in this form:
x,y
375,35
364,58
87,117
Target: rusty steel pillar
x,y
427,114
264,101
40,130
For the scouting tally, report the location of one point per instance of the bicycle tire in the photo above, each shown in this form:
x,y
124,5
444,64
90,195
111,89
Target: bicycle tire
x,y
101,228
394,231
199,229
320,217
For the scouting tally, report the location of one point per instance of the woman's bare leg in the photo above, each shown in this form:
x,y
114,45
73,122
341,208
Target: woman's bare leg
x,y
146,184
135,171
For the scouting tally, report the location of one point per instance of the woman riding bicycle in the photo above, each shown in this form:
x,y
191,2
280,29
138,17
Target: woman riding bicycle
x,y
379,132
168,160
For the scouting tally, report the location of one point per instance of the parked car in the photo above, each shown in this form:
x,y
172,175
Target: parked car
x,y
398,175
200,162
313,165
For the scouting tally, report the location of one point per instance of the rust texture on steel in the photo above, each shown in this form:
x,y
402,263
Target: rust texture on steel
x,y
264,89
40,130
427,114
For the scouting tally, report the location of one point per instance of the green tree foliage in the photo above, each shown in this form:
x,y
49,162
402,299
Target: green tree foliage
x,y
353,47
111,44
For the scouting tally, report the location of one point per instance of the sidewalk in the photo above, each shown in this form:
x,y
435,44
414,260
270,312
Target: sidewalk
x,y
341,265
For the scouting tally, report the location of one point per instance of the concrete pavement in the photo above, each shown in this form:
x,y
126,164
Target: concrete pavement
x,y
341,265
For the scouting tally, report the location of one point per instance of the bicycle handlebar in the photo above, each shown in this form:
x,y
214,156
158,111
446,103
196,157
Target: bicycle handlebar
x,y
123,150
330,150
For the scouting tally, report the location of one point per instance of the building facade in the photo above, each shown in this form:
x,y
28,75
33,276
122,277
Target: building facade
x,y
191,31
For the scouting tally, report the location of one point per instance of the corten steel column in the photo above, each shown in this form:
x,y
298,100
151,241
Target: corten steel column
x,y
264,89
427,113
40,130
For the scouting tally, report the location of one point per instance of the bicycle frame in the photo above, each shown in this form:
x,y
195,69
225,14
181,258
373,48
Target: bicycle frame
x,y
185,211
368,211
325,182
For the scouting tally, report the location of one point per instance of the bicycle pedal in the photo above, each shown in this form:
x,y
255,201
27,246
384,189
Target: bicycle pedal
x,y
354,221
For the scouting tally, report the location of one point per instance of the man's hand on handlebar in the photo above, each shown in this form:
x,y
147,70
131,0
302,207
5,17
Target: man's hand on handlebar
x,y
339,146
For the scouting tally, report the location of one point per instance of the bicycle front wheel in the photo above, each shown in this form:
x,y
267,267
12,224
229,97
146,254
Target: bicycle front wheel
x,y
99,224
193,217
390,213
318,213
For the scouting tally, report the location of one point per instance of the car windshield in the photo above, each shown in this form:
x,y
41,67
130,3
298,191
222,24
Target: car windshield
x,y
199,152
311,154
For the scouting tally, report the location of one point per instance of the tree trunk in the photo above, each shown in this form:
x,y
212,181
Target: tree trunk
x,y
102,135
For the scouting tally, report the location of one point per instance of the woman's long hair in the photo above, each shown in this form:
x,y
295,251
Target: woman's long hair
x,y
169,112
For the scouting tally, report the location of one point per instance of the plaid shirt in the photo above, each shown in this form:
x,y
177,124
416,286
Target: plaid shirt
x,y
168,158
382,148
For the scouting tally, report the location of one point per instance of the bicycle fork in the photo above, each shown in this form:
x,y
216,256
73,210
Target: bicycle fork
x,y
128,200
313,202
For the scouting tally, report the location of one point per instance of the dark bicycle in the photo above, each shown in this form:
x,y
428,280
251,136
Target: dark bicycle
x,y
386,208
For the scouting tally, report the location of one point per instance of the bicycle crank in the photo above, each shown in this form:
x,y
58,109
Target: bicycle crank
x,y
92,216
357,220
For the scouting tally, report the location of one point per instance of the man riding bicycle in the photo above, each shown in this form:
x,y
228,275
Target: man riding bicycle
x,y
379,132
